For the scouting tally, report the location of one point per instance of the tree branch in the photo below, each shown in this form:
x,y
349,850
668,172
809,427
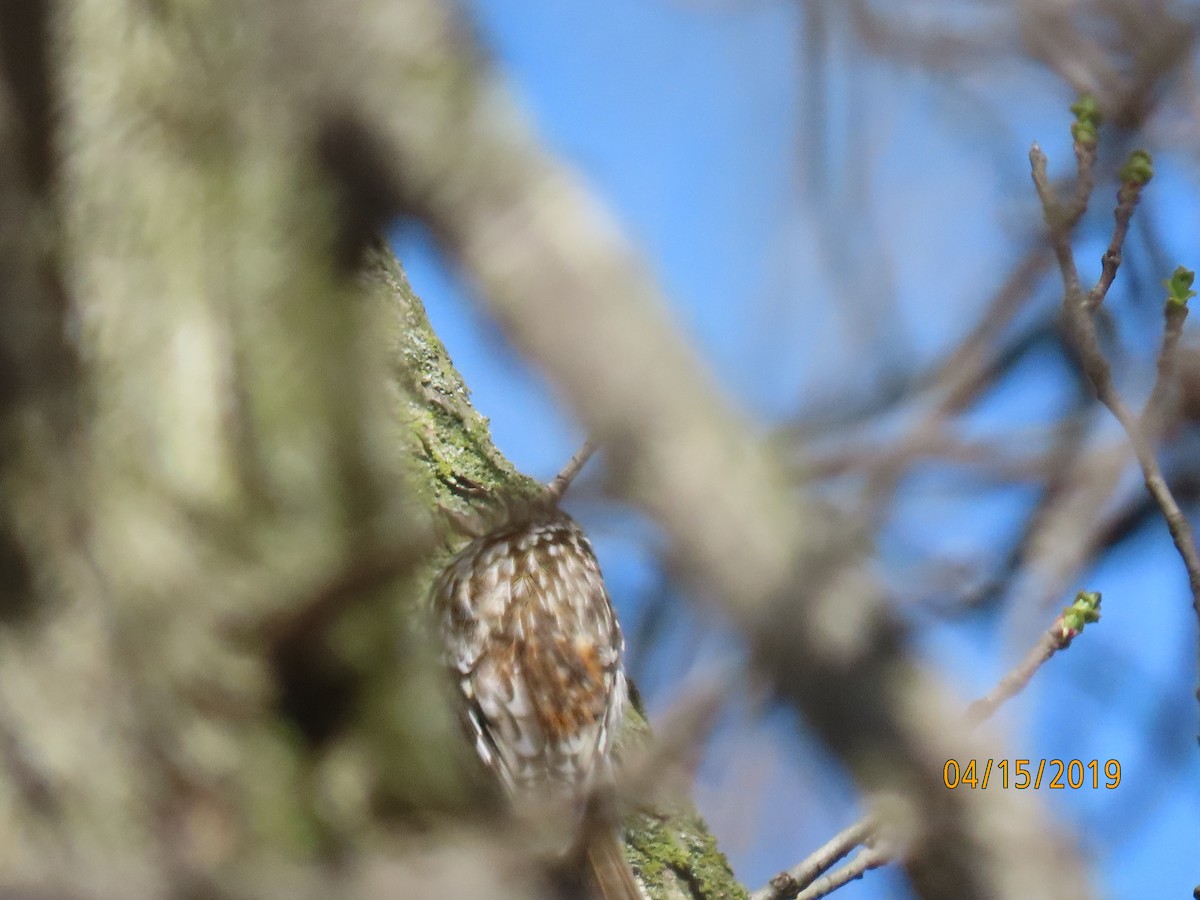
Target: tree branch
x,y
1078,315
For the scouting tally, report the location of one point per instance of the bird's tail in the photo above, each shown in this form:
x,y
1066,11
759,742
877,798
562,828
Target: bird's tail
x,y
608,873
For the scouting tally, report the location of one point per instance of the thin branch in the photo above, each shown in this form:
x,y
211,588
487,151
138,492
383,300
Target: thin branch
x,y
1111,260
1058,636
1085,183
799,882
1155,412
562,481
866,860
1058,224
1156,484
1081,327
789,884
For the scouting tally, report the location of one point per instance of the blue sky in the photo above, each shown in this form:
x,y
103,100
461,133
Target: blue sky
x,y
804,285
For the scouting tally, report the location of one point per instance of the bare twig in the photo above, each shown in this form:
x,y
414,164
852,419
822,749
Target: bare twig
x,y
556,488
1060,226
800,877
1057,637
867,859
1155,412
1112,256
799,882
1156,484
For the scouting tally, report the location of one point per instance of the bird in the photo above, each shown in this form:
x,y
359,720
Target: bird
x,y
535,650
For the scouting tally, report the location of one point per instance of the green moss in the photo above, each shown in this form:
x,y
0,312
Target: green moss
x,y
452,443
676,846
671,846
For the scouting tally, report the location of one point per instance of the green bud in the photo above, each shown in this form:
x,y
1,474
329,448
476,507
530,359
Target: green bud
x,y
1086,126
1083,611
1083,133
1138,169
1086,110
1179,286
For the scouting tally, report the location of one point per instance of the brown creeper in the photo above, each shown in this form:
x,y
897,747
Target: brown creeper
x,y
534,646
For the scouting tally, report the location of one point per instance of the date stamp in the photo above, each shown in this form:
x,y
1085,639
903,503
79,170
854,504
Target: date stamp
x,y
1024,774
